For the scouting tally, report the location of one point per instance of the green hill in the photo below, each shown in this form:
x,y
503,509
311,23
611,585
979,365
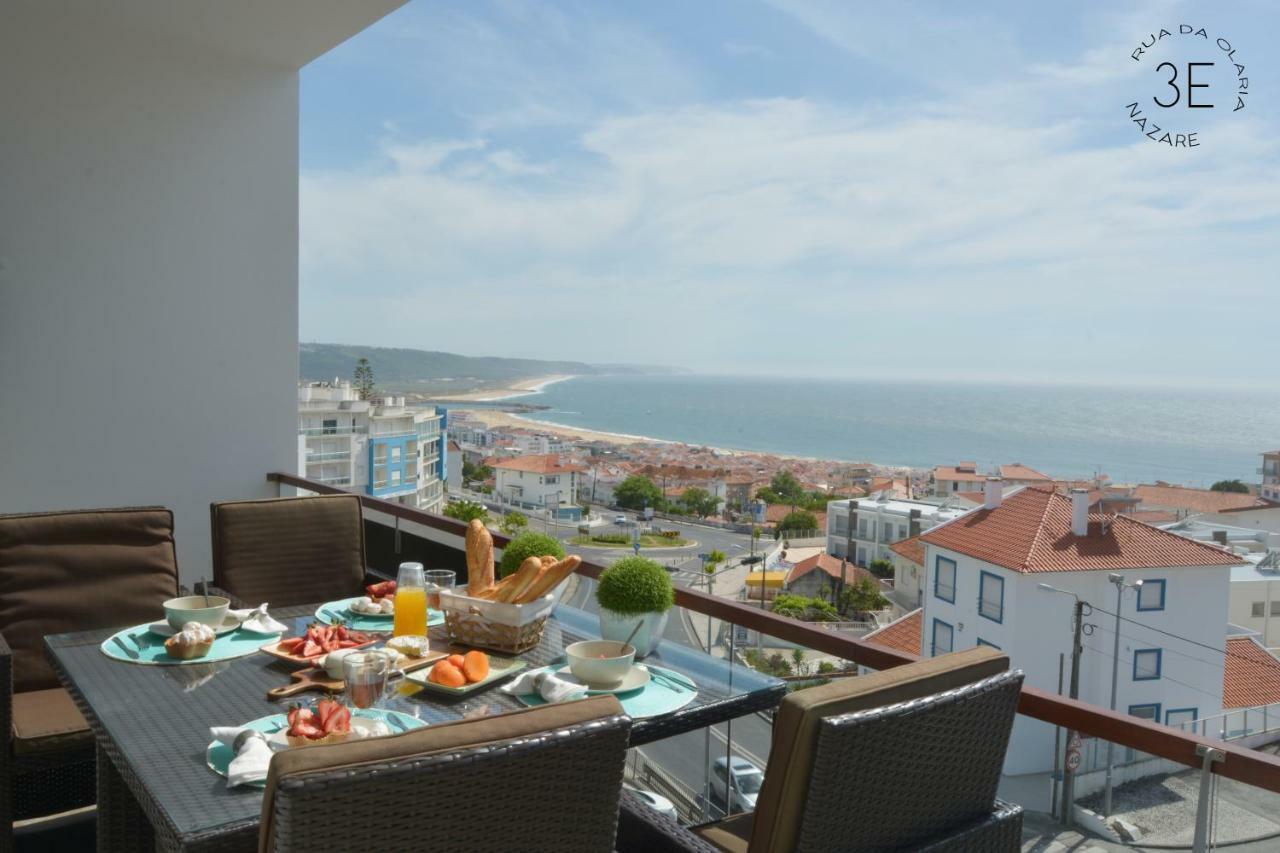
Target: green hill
x,y
436,372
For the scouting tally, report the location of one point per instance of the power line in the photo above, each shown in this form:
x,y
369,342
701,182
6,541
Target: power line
x,y
1224,652
1163,677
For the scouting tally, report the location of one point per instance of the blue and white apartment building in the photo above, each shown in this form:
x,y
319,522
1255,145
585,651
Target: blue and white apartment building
x,y
378,447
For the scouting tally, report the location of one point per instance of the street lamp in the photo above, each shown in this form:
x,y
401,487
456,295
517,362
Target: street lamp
x,y
1081,609
1118,580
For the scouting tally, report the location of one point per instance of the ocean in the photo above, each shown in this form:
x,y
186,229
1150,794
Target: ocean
x,y
1130,434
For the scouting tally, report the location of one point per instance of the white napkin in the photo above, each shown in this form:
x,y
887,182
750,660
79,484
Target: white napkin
x,y
547,685
258,621
251,762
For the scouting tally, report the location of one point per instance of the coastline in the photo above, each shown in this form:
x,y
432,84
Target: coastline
x,y
517,388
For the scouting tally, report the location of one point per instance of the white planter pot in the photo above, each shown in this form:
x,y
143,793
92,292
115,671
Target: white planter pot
x,y
616,626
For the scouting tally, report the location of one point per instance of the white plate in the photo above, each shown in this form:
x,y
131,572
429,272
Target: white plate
x,y
351,608
635,678
361,727
164,629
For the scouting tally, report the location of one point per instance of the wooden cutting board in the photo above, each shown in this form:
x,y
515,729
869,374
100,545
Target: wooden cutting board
x,y
315,678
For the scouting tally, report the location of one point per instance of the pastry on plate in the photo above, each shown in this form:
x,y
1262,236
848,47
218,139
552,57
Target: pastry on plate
x,y
193,641
328,722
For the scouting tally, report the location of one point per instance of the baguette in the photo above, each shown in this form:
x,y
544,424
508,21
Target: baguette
x,y
519,580
549,560
479,557
492,591
549,578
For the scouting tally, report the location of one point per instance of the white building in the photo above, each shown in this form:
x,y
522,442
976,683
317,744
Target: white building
x,y
540,482
1270,471
881,521
540,444
453,466
1255,597
380,447
985,586
965,477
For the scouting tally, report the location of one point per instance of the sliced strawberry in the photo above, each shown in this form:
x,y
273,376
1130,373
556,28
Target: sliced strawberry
x,y
346,644
292,644
325,709
310,650
307,730
339,721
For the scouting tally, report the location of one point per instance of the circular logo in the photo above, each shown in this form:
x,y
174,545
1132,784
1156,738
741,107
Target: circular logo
x,y
1191,79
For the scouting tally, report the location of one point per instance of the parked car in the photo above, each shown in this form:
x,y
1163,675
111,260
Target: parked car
x,y
657,802
742,779
620,520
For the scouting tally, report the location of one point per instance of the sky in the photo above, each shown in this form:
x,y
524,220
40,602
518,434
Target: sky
x,y
810,188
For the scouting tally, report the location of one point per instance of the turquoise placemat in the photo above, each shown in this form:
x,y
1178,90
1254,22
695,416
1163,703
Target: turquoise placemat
x,y
664,693
332,612
138,645
218,755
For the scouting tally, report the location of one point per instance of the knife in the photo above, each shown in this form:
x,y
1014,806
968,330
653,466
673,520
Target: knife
x,y
395,721
128,651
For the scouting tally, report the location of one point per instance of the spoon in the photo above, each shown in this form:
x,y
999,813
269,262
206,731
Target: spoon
x,y
204,585
622,649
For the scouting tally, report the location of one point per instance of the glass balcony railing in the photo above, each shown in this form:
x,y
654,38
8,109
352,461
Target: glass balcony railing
x,y
337,455
1231,778
334,481
340,430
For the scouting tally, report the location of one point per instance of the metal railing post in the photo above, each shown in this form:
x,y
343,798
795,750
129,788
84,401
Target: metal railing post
x,y
1203,806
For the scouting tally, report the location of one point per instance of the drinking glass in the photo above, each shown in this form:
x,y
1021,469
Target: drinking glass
x,y
365,674
436,580
411,601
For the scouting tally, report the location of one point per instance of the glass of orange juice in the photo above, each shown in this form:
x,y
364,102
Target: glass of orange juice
x,y
411,601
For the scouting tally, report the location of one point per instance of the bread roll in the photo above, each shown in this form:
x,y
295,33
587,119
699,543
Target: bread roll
x,y
550,577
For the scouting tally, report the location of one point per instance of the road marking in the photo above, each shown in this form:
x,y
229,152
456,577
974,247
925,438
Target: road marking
x,y
745,753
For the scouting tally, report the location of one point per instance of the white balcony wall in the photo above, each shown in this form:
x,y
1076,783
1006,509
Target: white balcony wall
x,y
149,250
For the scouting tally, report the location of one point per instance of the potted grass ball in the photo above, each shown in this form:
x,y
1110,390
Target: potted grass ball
x,y
634,589
530,543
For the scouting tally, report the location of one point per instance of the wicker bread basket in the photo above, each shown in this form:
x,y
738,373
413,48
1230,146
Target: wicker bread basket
x,y
495,625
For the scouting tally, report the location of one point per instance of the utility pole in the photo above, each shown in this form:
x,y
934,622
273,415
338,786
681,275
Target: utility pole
x,y
1077,647
1118,580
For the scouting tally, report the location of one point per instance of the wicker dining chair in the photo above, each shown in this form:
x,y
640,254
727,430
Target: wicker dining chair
x,y
288,551
904,759
61,572
541,779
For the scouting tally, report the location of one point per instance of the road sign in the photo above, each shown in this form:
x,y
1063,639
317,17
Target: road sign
x,y
1075,743
1073,760
704,557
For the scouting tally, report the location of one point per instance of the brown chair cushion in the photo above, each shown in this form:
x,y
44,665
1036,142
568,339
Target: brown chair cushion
x,y
780,805
447,737
74,571
46,721
733,834
289,550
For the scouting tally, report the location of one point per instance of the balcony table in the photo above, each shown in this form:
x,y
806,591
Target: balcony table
x,y
151,725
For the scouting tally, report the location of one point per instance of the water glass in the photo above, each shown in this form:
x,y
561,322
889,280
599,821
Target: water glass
x,y
365,674
436,580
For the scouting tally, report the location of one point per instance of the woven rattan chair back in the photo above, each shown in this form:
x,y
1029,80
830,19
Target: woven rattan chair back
x,y
289,550
551,791
898,777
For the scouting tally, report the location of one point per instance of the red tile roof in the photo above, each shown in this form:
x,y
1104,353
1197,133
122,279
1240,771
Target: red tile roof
x,y
902,634
774,513
912,549
1251,675
948,472
549,463
1163,495
830,565
1031,532
1018,471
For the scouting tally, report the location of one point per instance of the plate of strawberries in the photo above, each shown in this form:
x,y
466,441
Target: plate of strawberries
x,y
319,640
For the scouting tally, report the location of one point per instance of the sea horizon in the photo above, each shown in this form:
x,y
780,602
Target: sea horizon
x,y
1068,430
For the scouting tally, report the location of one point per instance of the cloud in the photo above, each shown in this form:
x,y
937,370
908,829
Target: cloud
x,y
715,225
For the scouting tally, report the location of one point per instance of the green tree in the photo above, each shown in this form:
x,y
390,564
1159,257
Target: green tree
x,y
881,568
862,596
700,502
475,473
513,522
466,511
801,519
786,486
362,379
807,609
715,558
1230,486
768,495
636,491
797,661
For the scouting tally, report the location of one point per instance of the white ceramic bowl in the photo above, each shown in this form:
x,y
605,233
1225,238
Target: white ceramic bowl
x,y
191,608
599,662
333,662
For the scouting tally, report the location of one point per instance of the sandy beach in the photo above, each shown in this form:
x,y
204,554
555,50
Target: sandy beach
x,y
506,420
518,388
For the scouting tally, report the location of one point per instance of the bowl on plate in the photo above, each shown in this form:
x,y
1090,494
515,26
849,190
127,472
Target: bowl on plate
x,y
192,608
600,662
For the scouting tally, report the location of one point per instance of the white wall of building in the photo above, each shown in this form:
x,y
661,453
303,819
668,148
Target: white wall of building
x,y
149,251
1036,628
539,489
